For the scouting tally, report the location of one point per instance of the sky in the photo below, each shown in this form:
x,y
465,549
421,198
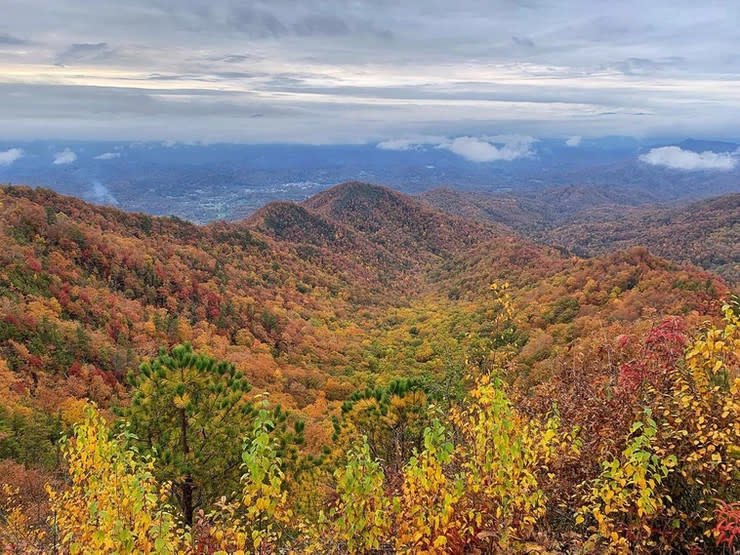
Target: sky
x,y
400,73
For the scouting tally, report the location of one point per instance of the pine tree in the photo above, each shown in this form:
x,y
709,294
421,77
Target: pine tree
x,y
190,412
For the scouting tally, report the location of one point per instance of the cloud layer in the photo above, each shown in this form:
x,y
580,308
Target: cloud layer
x,y
9,156
64,157
108,156
280,70
476,149
676,158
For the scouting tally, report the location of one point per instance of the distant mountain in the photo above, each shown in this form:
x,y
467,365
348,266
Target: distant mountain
x,y
397,220
204,183
705,233
590,220
292,222
529,210
356,226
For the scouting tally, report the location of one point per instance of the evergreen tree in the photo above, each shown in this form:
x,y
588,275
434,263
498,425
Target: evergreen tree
x,y
190,411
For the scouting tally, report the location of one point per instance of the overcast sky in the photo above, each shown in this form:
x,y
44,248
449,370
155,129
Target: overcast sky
x,y
351,71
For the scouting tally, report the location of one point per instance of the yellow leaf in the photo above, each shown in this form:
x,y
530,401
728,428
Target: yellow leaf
x,y
440,541
181,401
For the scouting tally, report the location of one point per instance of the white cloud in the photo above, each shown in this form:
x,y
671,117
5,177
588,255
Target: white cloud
x,y
9,156
398,144
108,156
679,159
414,142
575,140
475,149
64,157
479,150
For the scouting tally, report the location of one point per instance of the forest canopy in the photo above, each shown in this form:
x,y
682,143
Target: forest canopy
x,y
359,373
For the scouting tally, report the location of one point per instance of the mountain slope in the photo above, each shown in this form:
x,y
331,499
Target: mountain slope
x,y
296,298
363,229
705,233
332,245
590,220
525,211
397,221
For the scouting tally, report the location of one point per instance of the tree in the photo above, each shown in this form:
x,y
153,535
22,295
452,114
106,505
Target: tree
x,y
427,504
362,516
677,476
392,420
189,411
113,503
504,457
256,521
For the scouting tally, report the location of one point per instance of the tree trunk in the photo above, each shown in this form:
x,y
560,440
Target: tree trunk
x,y
187,500
187,487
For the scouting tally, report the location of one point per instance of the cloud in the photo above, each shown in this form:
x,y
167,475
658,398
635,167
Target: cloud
x,y
378,68
329,25
679,159
108,156
575,140
475,149
523,41
84,53
479,150
9,156
101,194
399,144
7,39
255,22
637,66
64,157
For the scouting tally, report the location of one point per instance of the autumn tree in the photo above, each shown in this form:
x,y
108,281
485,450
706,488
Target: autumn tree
x,y
426,508
362,515
504,457
113,503
676,480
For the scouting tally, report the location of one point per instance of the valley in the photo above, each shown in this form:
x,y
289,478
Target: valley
x,y
327,305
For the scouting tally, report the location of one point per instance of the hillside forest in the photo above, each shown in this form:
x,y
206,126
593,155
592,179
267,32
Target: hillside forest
x,y
364,373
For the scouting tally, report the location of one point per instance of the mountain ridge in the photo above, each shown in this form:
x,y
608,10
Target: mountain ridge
x,y
589,220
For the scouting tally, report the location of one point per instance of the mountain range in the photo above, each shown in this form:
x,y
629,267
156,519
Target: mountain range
x,y
589,220
207,182
360,310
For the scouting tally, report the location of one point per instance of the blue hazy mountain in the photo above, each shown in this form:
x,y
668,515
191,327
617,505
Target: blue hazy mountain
x,y
203,182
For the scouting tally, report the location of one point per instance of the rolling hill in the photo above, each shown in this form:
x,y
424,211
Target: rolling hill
x,y
361,311
589,220
705,233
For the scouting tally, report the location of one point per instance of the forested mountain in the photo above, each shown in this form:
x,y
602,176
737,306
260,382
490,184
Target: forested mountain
x,y
356,373
589,220
371,229
705,233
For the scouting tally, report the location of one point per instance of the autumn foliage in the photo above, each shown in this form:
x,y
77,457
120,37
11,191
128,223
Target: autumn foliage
x,y
252,388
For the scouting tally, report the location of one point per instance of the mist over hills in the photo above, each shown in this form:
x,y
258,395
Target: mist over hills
x,y
201,182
